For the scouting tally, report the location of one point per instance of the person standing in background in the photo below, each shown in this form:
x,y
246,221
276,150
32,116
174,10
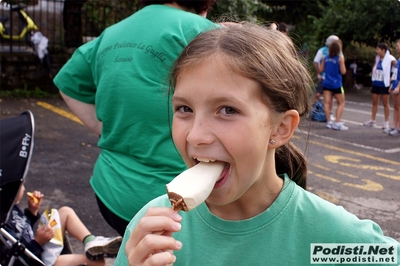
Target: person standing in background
x,y
380,83
353,67
395,91
117,85
321,53
334,67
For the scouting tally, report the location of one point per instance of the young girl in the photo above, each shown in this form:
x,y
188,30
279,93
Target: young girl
x,y
239,95
395,91
21,222
334,67
380,83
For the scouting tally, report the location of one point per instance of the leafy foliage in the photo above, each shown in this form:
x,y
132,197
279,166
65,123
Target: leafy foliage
x,y
238,10
104,13
362,22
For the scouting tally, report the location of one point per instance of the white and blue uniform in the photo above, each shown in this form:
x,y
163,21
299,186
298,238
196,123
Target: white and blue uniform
x,y
396,75
378,78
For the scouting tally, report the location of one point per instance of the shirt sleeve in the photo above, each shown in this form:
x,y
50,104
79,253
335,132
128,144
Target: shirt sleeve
x,y
76,77
318,57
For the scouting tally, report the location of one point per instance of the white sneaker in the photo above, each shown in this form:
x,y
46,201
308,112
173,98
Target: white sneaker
x,y
395,132
388,130
101,246
329,124
370,123
385,125
339,126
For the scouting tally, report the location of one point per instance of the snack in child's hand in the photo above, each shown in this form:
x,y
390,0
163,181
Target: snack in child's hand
x,y
193,186
30,194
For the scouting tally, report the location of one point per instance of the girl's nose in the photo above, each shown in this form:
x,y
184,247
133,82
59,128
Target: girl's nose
x,y
200,133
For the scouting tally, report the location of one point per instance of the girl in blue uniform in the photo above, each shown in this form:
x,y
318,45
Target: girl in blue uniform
x,y
395,91
334,67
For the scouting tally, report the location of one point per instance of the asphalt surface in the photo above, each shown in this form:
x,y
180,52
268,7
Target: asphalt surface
x,y
358,169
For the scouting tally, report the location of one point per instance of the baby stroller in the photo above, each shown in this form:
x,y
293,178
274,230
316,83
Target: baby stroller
x,y
16,142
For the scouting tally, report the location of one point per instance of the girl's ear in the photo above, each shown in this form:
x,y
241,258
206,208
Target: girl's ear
x,y
287,125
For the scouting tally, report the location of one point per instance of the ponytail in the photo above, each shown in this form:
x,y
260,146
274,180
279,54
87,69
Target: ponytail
x,y
290,160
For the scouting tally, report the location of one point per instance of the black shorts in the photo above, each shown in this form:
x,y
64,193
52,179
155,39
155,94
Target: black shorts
x,y
116,222
379,90
335,91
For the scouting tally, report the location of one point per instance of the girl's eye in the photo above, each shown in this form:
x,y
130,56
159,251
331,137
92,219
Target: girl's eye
x,y
183,109
228,110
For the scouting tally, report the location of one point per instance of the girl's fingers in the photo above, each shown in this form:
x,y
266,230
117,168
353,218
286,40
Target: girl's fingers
x,y
150,248
165,258
151,242
156,221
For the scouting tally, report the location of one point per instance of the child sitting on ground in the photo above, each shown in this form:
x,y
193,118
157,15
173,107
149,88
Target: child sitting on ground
x,y
21,222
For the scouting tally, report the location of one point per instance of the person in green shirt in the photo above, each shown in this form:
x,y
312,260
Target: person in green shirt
x,y
117,85
238,95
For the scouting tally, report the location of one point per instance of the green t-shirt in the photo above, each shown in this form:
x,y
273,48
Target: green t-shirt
x,y
124,73
281,235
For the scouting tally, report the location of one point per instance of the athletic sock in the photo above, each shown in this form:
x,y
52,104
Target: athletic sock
x,y
88,238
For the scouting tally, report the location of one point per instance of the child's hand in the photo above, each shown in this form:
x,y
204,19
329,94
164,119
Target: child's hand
x,y
34,201
151,242
44,234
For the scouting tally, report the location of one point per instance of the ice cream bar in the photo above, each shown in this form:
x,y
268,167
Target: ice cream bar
x,y
193,186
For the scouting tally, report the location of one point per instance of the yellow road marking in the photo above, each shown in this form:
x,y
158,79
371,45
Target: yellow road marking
x,y
60,112
369,185
328,178
394,177
321,167
327,196
351,152
346,174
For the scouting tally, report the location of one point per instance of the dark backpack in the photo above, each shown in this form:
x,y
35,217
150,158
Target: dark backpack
x,y
317,113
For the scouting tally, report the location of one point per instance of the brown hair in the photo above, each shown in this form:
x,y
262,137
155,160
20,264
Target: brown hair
x,y
383,46
335,48
269,58
195,6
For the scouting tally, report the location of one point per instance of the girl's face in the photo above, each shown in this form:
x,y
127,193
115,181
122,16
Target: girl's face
x,y
220,115
380,52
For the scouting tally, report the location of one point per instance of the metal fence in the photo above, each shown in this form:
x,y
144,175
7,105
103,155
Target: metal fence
x,y
66,23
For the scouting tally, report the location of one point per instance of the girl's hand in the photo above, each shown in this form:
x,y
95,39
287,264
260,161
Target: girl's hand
x,y
151,242
34,201
44,234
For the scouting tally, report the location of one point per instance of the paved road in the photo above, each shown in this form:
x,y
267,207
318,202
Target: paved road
x,y
358,169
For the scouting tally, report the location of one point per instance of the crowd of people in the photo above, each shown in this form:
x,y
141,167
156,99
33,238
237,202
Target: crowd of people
x,y
329,64
162,98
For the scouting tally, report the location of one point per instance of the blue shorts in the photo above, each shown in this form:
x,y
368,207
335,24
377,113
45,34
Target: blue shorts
x,y
379,90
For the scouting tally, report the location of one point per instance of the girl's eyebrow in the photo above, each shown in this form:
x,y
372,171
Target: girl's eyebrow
x,y
217,99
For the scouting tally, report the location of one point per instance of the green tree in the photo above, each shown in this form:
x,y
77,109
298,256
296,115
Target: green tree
x,y
362,22
238,10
